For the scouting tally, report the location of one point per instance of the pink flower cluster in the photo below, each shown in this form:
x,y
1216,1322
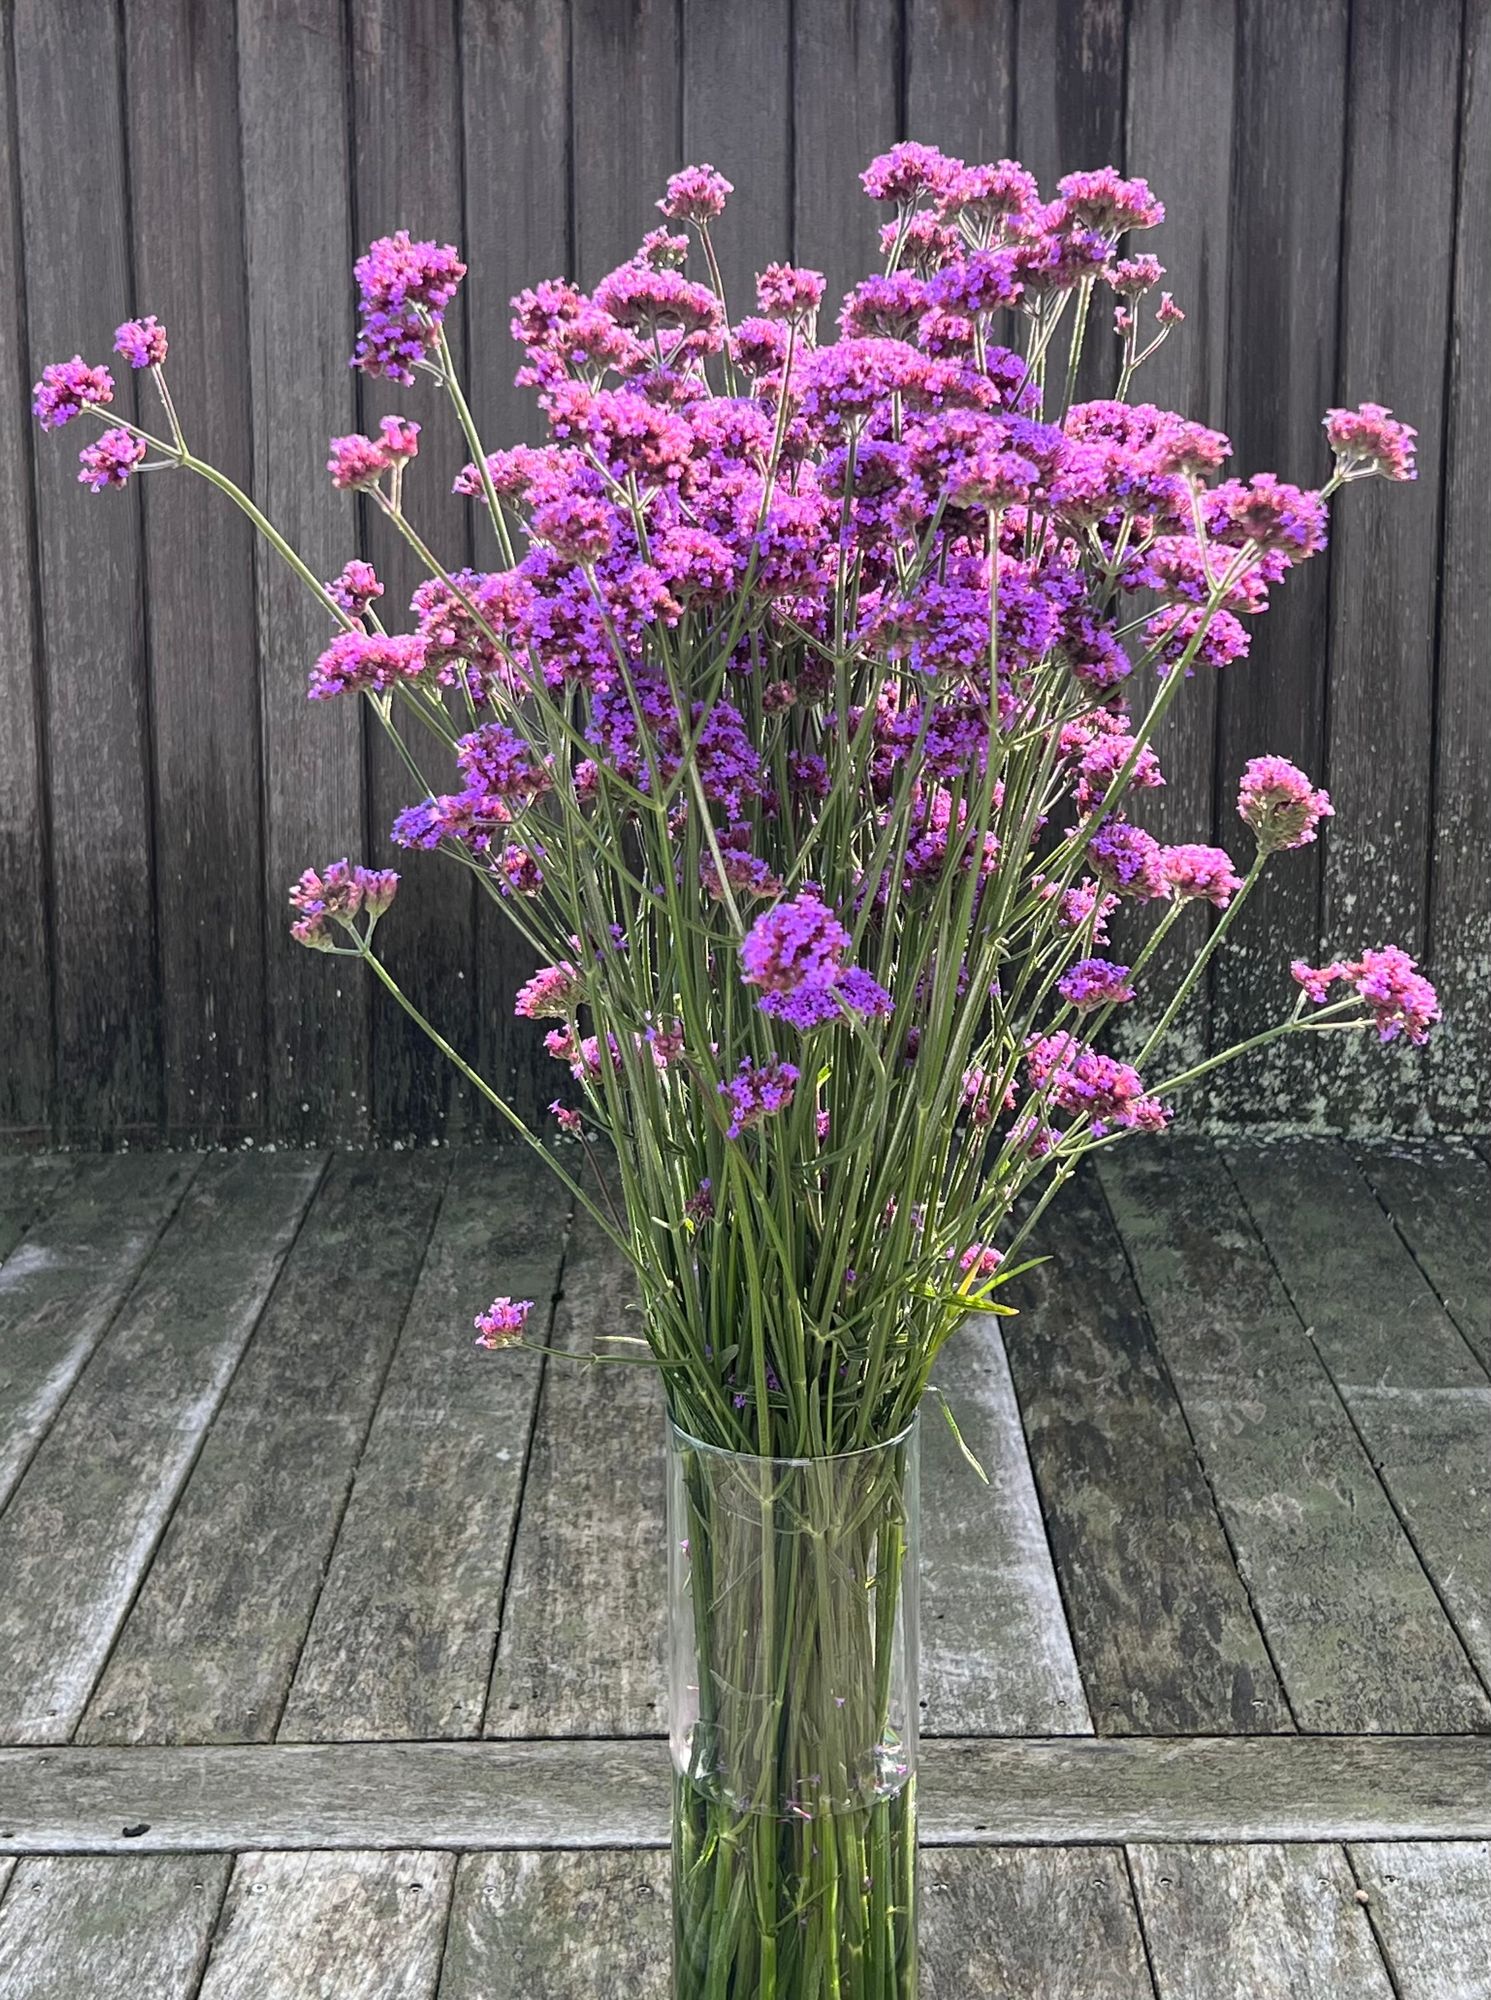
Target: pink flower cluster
x,y
1398,997
338,894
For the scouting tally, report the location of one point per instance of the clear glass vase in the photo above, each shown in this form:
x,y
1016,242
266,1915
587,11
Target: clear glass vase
x,y
792,1720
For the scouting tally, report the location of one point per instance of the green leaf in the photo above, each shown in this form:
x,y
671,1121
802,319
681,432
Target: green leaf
x,y
952,1424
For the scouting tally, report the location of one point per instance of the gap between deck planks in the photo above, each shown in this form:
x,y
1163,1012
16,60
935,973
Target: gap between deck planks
x,y
614,1792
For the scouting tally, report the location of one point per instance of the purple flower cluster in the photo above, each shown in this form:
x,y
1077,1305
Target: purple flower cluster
x,y
502,1324
66,389
795,954
404,288
112,460
338,894
1278,802
758,1091
1399,998
142,342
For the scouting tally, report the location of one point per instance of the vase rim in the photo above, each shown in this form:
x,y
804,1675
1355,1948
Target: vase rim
x,y
768,1458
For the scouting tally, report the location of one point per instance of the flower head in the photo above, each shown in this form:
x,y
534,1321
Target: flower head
x,y
1203,873
337,894
111,460
142,342
1279,803
1095,982
501,1325
67,388
1370,440
405,288
757,1091
697,194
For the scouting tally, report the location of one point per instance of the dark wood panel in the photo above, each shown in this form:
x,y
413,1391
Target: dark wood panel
x,y
628,125
181,104
406,76
845,70
298,227
78,284
1286,223
1459,908
737,90
959,67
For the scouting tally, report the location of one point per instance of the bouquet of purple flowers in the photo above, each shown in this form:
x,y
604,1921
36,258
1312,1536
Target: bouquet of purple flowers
x,y
797,721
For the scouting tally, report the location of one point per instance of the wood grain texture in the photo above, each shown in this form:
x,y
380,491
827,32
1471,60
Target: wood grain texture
x,y
581,1648
564,1925
1256,1923
405,76
996,1654
1355,1628
959,67
1431,1909
28,1078
402,1638
1459,918
209,1646
113,1928
1005,1922
515,96
186,210
627,117
83,1522
845,91
298,231
737,83
1402,127
1161,1622
94,695
1287,191
1179,113
331,1927
62,1285
1415,1390
1439,1198
29,1184
615,1793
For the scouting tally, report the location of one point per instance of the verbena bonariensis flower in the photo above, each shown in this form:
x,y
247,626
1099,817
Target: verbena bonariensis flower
x,y
502,1324
805,707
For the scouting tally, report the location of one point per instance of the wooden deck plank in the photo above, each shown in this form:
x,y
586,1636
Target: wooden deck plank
x,y
1256,1923
1004,1922
975,1791
1353,1623
1416,1392
83,1522
331,1927
209,1646
1431,1908
581,1647
109,1927
29,1184
63,1283
1164,1632
402,1637
567,1926
996,1653
1439,1197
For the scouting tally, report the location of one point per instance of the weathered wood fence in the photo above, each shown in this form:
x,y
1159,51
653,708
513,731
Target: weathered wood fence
x,y
1328,169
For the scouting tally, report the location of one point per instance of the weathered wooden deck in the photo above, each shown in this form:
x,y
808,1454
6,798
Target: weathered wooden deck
x,y
330,1651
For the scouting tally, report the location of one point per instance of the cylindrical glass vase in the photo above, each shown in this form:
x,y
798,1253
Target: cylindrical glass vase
x,y
793,1720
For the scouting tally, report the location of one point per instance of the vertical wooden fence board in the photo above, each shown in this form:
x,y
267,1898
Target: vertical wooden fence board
x,y
1439,1199
61,1287
1459,909
72,172
737,87
627,130
331,1927
115,1927
1287,193
1431,1907
1256,1923
1359,1636
402,1640
209,1646
82,1525
186,193
1180,109
1403,97
845,88
1164,1632
959,65
1007,1921
567,1926
28,1076
297,216
515,57
406,77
